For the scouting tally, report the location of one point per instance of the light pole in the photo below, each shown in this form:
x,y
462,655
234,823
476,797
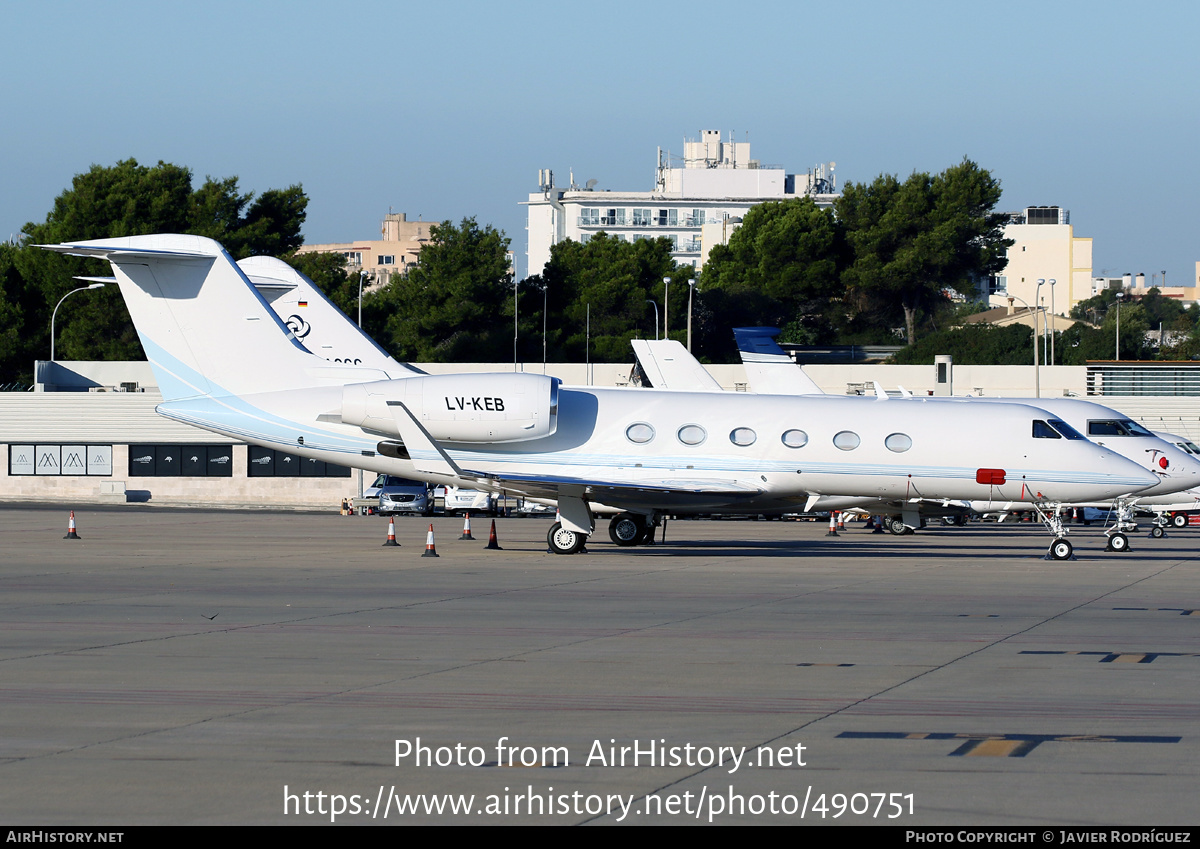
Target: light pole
x,y
691,292
666,307
655,318
1037,371
54,314
1120,295
361,276
1052,312
1037,300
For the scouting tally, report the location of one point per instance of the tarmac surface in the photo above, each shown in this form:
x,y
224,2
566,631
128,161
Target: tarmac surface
x,y
193,666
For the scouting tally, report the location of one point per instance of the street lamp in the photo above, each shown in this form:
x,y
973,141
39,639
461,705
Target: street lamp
x,y
655,318
361,276
1120,295
1052,312
54,314
666,307
1037,300
1037,371
691,292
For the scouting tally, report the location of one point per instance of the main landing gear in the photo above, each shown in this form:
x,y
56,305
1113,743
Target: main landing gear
x,y
631,529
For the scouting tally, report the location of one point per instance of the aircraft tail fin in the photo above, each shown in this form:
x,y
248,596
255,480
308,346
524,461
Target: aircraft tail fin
x,y
669,365
769,370
314,320
204,328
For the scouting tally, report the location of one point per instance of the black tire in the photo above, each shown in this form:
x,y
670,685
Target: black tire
x,y
1157,532
1180,520
562,541
1060,549
1118,542
626,529
896,525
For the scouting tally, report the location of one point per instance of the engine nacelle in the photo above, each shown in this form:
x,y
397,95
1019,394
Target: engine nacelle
x,y
459,407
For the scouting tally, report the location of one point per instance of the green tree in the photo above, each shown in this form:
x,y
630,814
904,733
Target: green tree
x,y
1082,342
912,241
128,199
609,280
781,267
11,319
973,344
451,307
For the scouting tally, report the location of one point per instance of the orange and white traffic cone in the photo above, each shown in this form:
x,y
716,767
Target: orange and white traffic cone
x,y
841,522
492,544
71,528
430,548
391,540
832,525
466,534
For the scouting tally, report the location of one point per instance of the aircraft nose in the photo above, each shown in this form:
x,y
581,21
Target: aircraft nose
x,y
1179,471
1128,469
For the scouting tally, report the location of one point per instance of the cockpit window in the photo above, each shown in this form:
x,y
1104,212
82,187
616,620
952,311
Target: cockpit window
x,y
1042,430
1066,430
1116,427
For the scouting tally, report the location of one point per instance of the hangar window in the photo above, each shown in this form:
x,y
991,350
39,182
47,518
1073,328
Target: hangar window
x,y
268,463
691,434
847,440
794,438
640,433
743,436
195,461
898,442
59,459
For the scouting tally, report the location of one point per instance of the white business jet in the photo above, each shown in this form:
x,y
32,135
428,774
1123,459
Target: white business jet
x,y
767,365
666,364
215,348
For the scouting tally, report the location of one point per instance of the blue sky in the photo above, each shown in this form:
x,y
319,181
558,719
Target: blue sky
x,y
448,109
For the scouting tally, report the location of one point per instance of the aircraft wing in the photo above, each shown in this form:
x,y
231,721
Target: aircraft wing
x,y
428,455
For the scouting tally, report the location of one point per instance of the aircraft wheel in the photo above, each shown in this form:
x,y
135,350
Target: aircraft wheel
x,y
1118,542
563,541
1179,520
1060,549
1157,532
896,525
627,529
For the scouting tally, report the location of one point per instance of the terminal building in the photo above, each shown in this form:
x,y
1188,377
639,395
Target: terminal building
x,y
696,202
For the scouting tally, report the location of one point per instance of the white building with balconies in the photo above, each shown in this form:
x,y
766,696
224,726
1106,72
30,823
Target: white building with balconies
x,y
696,202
